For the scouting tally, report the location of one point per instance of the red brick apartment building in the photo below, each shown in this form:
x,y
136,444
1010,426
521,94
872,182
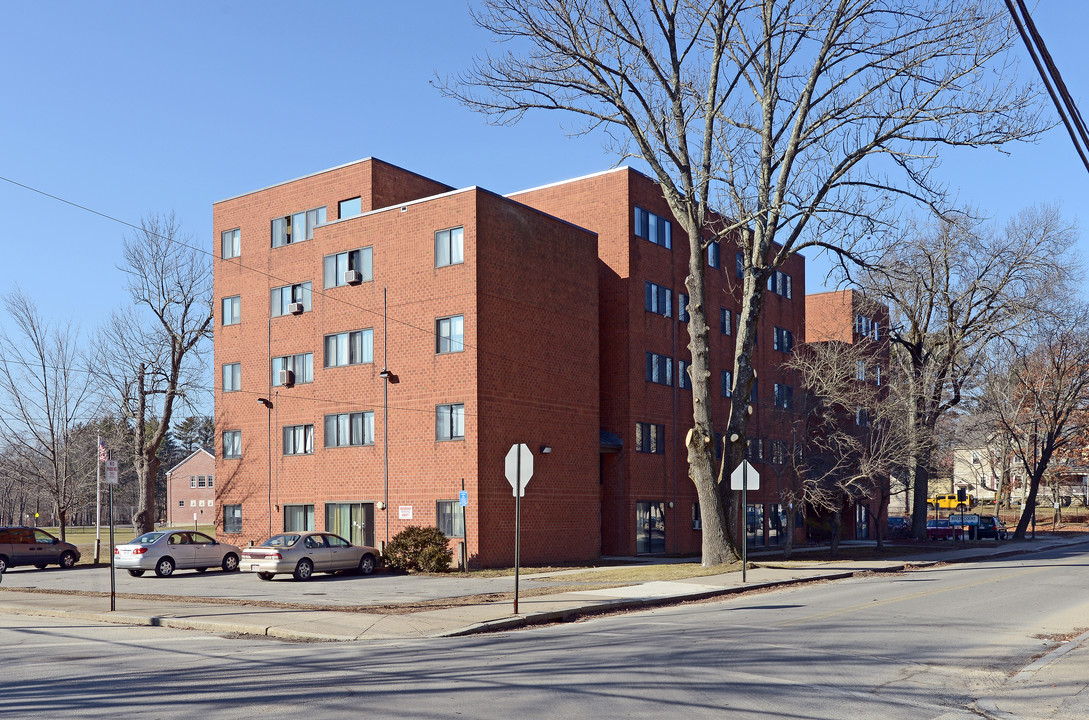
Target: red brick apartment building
x,y
847,316
552,317
190,489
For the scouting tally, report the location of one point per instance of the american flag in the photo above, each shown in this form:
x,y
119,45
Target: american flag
x,y
101,451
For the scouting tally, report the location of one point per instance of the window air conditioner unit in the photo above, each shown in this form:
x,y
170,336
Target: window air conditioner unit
x,y
352,277
287,378
295,308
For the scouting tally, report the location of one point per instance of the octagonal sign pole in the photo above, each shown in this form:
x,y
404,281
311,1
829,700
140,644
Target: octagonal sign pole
x,y
519,469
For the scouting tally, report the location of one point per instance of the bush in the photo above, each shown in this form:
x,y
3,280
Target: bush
x,y
419,548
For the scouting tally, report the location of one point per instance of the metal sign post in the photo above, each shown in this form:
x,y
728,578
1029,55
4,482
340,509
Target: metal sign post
x,y
519,469
742,475
111,480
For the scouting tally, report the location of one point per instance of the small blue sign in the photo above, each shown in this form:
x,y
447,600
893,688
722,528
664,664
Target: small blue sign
x,y
463,498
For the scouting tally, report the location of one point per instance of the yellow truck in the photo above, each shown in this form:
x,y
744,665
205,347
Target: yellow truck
x,y
950,502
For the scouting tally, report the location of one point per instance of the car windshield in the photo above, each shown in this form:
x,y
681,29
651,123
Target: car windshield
x,y
146,538
281,541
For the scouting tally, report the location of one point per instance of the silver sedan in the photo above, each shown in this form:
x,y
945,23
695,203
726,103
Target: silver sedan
x,y
304,553
165,551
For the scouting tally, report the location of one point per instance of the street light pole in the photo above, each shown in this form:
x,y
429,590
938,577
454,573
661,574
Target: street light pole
x,y
268,407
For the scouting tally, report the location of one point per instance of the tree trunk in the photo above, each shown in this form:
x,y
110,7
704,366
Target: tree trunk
x,y
837,521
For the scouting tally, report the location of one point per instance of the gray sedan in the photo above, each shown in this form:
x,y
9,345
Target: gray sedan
x,y
164,551
303,553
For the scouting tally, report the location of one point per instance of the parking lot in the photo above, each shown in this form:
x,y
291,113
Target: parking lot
x,y
343,589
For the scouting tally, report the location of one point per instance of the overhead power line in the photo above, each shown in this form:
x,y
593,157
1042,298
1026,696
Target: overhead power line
x,y
1053,81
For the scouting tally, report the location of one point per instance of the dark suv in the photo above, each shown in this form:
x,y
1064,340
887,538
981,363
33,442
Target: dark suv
x,y
899,527
991,527
31,546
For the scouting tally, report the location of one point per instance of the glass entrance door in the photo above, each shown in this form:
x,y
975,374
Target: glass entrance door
x,y
862,522
649,527
352,521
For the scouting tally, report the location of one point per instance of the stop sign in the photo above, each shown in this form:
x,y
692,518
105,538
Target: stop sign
x,y
519,461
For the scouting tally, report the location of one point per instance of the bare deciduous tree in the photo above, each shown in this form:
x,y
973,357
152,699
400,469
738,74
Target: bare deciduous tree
x,y
150,355
801,124
953,289
851,428
46,393
1041,396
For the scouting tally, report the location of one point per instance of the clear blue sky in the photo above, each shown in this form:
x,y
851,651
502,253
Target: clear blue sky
x,y
133,107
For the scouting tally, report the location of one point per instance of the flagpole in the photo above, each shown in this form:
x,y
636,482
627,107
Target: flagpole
x,y
98,499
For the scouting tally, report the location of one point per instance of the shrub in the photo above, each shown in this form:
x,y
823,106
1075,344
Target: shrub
x,y
419,548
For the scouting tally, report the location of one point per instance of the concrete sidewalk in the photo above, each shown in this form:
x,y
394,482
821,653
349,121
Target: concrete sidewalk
x,y
314,621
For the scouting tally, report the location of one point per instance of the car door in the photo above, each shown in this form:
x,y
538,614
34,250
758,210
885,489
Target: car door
x,y
342,555
205,552
49,548
180,548
24,551
317,551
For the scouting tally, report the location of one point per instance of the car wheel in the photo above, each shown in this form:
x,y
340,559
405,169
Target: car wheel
x,y
165,567
136,573
304,570
40,567
67,559
3,563
201,570
366,564
230,562
265,576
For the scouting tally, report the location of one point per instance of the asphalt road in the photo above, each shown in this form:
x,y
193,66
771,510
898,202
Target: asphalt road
x,y
918,645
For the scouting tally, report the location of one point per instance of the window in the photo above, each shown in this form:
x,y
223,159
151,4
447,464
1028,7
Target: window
x,y
862,417
682,307
714,255
232,444
450,334
877,375
876,331
181,503
726,321
449,247
192,503
739,269
650,438
659,299
697,520
200,503
296,227
232,518
335,268
727,383
659,369
231,242
350,208
753,395
284,297
778,452
298,518
192,481
860,370
450,422
232,377
754,449
211,481
450,518
779,283
784,396
654,228
348,429
302,365
349,348
232,310
863,325
784,340
202,482
298,439
684,380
